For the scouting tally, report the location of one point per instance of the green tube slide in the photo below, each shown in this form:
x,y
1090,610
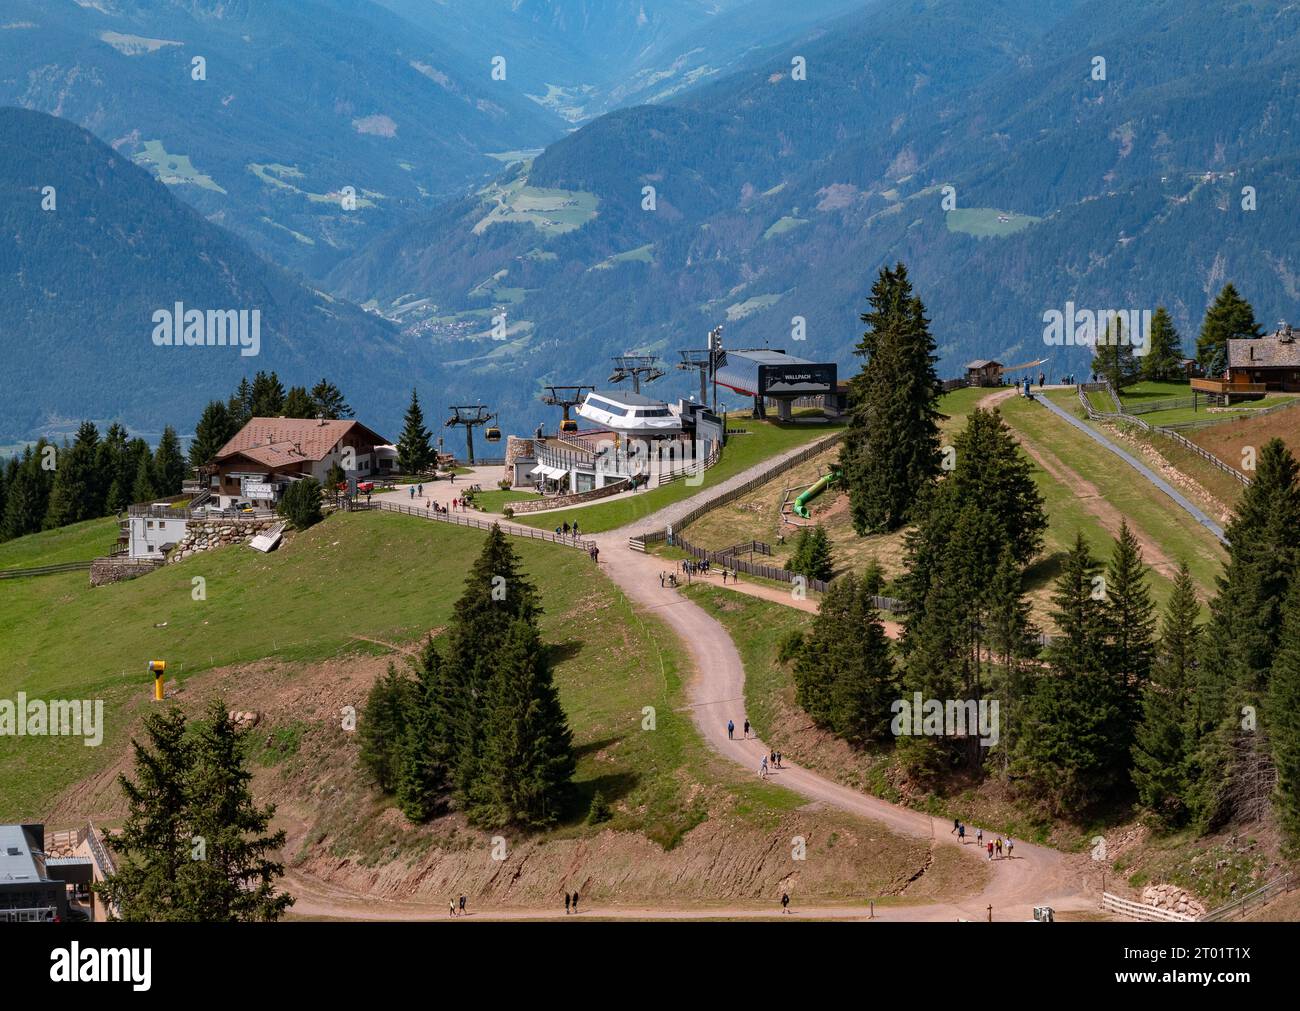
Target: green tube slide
x,y
800,506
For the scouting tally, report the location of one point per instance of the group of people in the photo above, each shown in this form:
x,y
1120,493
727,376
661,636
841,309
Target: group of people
x,y
731,730
457,908
571,900
566,528
769,762
996,847
702,566
667,579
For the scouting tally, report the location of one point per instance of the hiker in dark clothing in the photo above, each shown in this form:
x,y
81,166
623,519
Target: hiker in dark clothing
x,y
747,729
731,730
785,902
566,903
955,826
575,902
462,905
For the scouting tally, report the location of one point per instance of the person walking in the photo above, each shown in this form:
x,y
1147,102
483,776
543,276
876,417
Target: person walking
x,y
575,900
961,834
956,824
773,757
990,849
731,731
778,761
462,905
762,768
785,902
998,847
419,489
724,577
1010,845
412,491
566,903
979,837
453,477
451,907
575,528
746,729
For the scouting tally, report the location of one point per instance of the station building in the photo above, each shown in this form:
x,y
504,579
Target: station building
x,y
769,375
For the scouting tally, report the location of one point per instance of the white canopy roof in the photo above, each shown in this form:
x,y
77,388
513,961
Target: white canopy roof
x,y
554,473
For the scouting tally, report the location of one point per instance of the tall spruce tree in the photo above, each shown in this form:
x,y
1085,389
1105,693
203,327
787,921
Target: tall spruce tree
x,y
496,594
414,451
214,429
298,403
240,405
72,498
381,730
1066,754
1164,358
426,744
330,402
527,762
1230,317
1230,763
1282,719
169,467
267,396
1131,621
891,450
154,844
232,874
1113,357
1160,748
1013,641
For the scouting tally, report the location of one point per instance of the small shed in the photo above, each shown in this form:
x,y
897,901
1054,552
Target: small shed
x,y
984,372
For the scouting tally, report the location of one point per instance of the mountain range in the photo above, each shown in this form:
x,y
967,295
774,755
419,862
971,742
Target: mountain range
x,y
1018,156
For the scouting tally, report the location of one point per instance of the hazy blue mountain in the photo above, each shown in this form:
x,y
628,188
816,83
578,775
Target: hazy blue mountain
x,y
301,100
83,279
581,58
778,198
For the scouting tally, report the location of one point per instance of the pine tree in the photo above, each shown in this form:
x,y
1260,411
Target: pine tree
x,y
72,498
143,489
873,577
1066,752
414,451
890,451
1229,761
299,404
527,756
382,727
426,749
168,464
1160,748
213,431
233,879
1164,358
240,405
1113,356
496,594
1013,639
329,401
154,844
267,397
24,508
1282,720
1130,615
300,503
812,554
1229,318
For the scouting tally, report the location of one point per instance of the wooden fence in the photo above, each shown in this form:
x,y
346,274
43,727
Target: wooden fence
x,y
743,565
1166,430
1141,911
461,520
45,570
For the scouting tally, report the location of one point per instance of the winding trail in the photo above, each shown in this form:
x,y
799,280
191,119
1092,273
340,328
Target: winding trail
x,y
1037,875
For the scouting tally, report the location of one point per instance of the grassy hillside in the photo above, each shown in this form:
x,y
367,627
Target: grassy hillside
x,y
78,543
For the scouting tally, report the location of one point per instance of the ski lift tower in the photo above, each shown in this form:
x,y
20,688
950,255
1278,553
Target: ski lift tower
x,y
641,368
565,397
706,361
471,417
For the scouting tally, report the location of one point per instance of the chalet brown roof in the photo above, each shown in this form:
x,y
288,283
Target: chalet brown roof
x,y
1278,350
277,442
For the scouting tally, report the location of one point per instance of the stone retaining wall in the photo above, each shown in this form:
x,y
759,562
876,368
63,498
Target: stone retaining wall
x,y
204,535
572,499
116,569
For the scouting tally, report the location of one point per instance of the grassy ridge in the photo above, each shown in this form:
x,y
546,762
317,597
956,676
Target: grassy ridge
x,y
326,593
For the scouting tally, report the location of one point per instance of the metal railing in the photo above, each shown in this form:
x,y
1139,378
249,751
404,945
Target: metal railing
x,y
1258,897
